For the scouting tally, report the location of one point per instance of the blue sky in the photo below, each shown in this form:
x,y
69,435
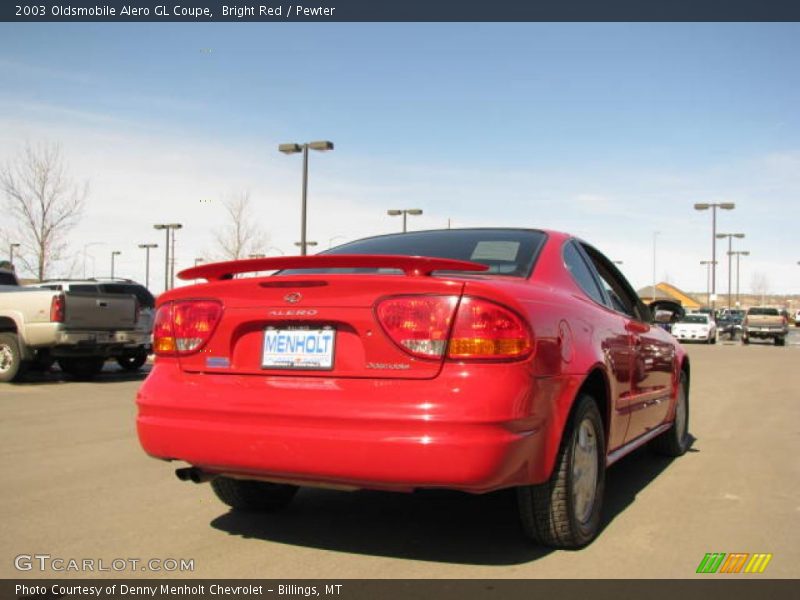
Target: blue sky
x,y
611,131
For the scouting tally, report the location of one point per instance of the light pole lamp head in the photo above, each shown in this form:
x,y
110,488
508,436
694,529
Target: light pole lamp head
x,y
15,245
159,226
414,211
394,212
702,206
148,245
174,226
321,146
116,253
727,205
738,235
744,252
290,148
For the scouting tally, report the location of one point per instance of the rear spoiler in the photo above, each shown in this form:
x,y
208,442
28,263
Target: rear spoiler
x,y
410,265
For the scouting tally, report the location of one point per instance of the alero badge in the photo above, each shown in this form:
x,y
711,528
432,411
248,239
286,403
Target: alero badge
x,y
293,298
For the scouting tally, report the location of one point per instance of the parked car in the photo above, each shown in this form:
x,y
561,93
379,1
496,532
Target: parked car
x,y
797,318
696,327
79,329
473,359
136,352
762,322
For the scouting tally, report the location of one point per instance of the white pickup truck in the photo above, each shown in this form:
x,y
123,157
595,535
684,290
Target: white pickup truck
x,y
80,330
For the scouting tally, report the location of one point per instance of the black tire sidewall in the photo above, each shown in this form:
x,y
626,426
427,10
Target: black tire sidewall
x,y
587,408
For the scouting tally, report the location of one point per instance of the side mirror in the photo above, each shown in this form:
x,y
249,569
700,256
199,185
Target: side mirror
x,y
666,312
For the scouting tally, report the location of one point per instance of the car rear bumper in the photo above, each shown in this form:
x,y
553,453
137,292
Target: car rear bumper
x,y
455,431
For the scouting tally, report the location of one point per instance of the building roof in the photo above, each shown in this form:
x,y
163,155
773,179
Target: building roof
x,y
667,291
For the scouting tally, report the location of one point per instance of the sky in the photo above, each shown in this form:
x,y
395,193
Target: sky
x,y
608,131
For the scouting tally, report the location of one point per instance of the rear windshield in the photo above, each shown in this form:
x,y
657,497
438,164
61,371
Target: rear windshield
x,y
509,252
772,312
144,297
695,319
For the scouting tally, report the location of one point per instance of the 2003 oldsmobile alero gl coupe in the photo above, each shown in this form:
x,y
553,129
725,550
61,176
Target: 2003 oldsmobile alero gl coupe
x,y
472,359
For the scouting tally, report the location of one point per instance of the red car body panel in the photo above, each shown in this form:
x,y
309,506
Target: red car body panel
x,y
475,426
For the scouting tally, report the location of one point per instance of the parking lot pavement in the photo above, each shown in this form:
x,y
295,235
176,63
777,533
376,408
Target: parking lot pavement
x,y
76,485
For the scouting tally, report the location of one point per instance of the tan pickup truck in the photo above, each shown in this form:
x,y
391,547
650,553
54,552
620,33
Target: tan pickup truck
x,y
761,322
79,330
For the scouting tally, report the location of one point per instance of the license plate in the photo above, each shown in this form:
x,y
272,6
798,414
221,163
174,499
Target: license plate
x,y
298,348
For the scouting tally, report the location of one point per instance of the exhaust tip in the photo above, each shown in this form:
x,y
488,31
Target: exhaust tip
x,y
193,474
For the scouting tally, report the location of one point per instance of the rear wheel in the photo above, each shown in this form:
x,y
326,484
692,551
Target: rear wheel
x,y
564,512
245,494
675,441
779,341
82,367
10,357
132,362
745,339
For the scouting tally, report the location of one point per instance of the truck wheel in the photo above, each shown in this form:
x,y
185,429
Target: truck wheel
x,y
244,494
132,362
10,357
779,341
675,441
564,512
82,367
745,339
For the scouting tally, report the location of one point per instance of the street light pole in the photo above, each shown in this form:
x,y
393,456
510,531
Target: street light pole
x,y
11,253
294,148
714,206
147,248
167,227
394,212
114,254
738,254
730,237
707,264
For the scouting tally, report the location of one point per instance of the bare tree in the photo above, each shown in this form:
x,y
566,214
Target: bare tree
x,y
240,236
41,205
759,284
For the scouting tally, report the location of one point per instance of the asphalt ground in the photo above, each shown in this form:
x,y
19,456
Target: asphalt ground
x,y
76,485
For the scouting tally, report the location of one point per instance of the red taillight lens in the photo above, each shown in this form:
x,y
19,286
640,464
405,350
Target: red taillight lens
x,y
418,324
485,330
183,327
57,309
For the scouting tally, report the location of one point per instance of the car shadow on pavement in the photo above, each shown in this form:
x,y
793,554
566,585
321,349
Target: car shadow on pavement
x,y
429,525
633,473
111,373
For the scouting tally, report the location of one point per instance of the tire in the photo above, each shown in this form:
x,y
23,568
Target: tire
x,y
11,367
83,367
675,441
745,340
245,494
713,340
564,512
132,362
779,341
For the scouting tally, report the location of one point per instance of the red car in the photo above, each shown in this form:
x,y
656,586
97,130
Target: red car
x,y
470,359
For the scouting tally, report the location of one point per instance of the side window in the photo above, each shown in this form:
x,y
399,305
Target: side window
x,y
621,296
580,272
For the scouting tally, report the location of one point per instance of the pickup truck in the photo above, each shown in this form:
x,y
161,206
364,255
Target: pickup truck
x,y
79,330
761,322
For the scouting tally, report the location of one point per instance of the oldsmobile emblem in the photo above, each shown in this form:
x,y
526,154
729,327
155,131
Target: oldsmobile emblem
x,y
293,297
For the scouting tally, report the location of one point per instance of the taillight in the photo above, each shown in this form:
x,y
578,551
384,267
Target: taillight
x,y
485,330
183,327
57,309
418,324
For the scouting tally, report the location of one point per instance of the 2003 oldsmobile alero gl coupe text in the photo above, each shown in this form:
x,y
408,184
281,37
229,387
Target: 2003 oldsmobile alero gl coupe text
x,y
472,359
